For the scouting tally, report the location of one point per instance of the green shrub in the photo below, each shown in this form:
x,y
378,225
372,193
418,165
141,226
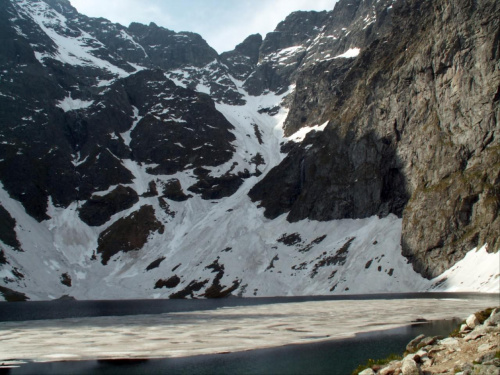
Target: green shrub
x,y
377,362
483,315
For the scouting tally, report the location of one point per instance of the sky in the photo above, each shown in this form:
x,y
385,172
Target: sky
x,y
222,23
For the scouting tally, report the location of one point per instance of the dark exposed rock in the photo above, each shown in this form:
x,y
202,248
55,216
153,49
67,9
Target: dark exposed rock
x,y
415,146
338,259
218,187
310,245
99,209
3,259
166,207
177,266
17,274
272,73
152,191
193,286
243,59
216,290
173,191
186,121
155,264
7,230
290,239
169,50
100,171
13,296
271,264
171,282
66,279
339,177
128,233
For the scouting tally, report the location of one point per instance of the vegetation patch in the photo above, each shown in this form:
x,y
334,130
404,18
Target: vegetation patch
x,y
377,362
483,315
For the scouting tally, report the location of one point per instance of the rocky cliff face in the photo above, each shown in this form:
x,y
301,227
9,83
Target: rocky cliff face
x,y
412,124
123,147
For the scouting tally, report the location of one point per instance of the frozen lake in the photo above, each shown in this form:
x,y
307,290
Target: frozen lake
x,y
221,330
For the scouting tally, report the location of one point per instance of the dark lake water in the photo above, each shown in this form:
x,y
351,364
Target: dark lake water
x,y
330,357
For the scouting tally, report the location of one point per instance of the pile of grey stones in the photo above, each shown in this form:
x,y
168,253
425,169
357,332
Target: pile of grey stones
x,y
438,355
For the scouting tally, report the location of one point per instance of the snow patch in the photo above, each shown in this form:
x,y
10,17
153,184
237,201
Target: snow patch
x,y
477,271
72,50
300,135
70,104
350,53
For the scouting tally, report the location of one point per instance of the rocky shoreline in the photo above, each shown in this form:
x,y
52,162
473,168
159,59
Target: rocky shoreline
x,y
474,348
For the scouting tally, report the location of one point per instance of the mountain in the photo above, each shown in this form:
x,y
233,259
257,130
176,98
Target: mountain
x,y
348,151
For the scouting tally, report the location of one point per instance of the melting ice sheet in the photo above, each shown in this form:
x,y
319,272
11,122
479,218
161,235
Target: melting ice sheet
x,y
223,330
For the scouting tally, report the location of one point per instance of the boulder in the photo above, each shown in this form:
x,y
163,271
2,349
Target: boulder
x,y
494,318
450,341
479,332
393,369
412,345
472,321
368,371
464,328
410,367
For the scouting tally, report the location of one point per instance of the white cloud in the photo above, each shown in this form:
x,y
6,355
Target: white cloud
x,y
223,23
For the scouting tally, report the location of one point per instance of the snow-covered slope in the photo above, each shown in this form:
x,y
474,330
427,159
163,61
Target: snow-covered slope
x,y
128,156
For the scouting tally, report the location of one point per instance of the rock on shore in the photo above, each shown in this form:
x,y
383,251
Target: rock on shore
x,y
473,349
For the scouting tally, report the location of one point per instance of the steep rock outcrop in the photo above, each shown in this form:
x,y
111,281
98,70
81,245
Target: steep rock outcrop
x,y
129,233
99,209
423,137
